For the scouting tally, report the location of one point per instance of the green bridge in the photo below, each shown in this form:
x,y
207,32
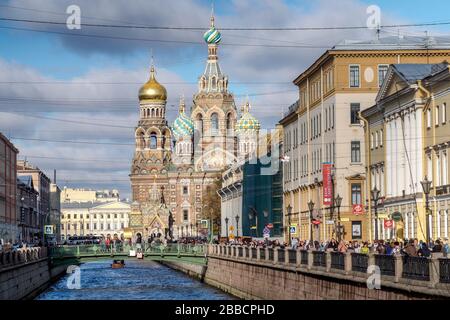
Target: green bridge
x,y
195,254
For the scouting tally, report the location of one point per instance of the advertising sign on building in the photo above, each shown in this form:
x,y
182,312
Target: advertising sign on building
x,y
358,209
327,184
388,224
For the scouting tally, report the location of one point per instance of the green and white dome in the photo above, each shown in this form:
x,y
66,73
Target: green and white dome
x,y
182,126
247,123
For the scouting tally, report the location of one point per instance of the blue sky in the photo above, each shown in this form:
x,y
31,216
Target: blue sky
x,y
38,57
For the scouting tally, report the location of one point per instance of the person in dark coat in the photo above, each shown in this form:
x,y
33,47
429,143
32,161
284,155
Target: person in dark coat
x,y
424,251
437,246
410,249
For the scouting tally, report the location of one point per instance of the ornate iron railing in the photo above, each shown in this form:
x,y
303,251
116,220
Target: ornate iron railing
x,y
416,268
292,256
386,263
337,260
319,259
360,262
444,270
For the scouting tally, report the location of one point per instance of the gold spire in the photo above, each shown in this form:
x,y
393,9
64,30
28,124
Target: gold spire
x,y
212,14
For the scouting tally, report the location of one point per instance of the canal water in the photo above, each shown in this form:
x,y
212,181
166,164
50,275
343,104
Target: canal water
x,y
138,280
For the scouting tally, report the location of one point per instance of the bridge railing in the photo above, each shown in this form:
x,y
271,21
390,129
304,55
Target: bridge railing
x,y
12,258
420,273
101,250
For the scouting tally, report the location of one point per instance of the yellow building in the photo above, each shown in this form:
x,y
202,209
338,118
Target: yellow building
x,y
323,126
411,110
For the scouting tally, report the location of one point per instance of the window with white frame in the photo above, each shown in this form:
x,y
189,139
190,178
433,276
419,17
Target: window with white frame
x,y
428,118
354,76
437,116
382,71
444,113
444,168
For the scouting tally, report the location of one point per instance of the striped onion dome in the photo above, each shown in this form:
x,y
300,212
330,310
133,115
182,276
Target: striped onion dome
x,y
183,125
247,123
212,36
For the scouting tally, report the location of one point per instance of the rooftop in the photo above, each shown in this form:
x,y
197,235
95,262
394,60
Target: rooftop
x,y
395,43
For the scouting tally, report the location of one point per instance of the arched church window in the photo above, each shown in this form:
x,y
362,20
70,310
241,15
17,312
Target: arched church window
x,y
199,120
229,121
153,140
214,123
213,82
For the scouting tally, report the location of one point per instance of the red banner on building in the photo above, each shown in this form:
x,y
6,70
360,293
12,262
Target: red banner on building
x,y
358,209
327,184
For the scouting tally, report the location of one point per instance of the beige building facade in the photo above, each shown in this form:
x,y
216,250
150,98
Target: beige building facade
x,y
323,126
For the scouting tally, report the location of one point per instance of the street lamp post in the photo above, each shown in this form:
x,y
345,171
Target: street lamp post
x,y
226,226
426,185
196,228
289,211
375,197
337,204
311,208
237,226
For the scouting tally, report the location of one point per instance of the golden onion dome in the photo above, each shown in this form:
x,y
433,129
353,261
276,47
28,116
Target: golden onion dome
x,y
152,90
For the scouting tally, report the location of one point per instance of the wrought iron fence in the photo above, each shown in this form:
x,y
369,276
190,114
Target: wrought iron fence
x,y
360,262
444,270
281,256
262,253
292,256
417,268
386,264
319,259
337,260
270,252
254,253
304,257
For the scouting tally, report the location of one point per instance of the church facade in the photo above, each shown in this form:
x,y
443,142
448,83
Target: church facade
x,y
174,165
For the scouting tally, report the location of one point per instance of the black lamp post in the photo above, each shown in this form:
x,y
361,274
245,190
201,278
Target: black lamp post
x,y
191,230
311,208
196,228
376,196
337,204
289,211
237,226
226,226
426,186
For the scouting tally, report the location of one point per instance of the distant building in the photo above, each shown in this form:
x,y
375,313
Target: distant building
x,y
55,212
88,195
94,218
9,230
27,208
41,184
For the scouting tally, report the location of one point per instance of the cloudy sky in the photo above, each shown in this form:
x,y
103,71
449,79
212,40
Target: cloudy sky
x,y
68,98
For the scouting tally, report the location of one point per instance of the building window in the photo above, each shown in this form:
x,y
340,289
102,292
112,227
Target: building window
x,y
95,216
62,227
382,71
185,190
74,216
109,226
153,140
444,113
115,215
122,225
87,226
214,123
185,215
381,138
428,118
95,226
355,151
437,116
68,227
376,139
354,110
102,226
356,193
354,76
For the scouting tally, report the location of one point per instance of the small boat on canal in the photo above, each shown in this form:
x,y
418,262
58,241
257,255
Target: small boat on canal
x,y
117,264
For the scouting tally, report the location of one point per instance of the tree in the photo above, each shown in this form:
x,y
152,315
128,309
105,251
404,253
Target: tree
x,y
212,204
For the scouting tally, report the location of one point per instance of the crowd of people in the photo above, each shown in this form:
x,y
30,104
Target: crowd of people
x,y
412,247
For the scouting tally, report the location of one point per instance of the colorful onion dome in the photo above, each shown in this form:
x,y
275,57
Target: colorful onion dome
x,y
152,90
212,36
182,126
247,123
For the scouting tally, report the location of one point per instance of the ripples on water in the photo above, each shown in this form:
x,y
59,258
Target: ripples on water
x,y
138,280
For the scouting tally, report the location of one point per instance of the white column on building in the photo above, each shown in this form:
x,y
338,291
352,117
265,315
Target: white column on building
x,y
418,143
388,164
400,154
413,152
